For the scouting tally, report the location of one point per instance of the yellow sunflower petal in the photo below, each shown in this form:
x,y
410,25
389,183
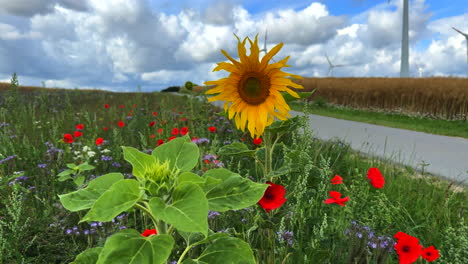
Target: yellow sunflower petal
x,y
226,66
270,55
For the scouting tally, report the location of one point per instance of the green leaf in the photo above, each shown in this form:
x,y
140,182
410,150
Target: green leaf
x,y
120,197
89,256
284,126
181,153
302,95
130,247
235,149
85,167
198,238
140,161
71,166
79,180
85,198
65,173
188,211
228,250
234,192
279,172
190,177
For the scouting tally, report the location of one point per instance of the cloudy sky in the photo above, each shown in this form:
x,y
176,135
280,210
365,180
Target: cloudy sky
x,y
120,44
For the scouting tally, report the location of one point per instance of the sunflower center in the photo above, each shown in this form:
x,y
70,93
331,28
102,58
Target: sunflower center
x,y
254,88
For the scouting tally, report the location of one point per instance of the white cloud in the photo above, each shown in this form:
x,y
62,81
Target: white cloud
x,y
119,43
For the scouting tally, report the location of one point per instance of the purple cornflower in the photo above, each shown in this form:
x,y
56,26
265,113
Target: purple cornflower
x,y
243,220
128,175
227,142
116,164
68,231
359,235
210,157
286,236
43,165
13,136
4,124
93,224
129,117
219,164
7,159
229,130
106,158
201,141
212,214
86,232
122,227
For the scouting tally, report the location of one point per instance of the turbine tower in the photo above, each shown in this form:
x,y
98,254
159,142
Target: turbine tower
x,y
331,66
404,64
466,37
264,45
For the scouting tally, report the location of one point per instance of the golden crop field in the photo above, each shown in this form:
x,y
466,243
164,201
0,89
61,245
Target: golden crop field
x,y
442,97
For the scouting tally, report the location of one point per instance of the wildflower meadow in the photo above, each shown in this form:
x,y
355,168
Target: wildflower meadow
x,y
98,177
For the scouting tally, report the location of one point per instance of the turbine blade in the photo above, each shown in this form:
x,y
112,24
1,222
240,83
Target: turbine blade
x,y
264,43
464,34
329,62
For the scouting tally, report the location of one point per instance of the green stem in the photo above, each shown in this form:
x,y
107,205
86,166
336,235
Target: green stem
x,y
184,253
155,222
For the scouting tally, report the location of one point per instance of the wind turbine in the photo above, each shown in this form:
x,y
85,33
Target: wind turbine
x,y
404,64
331,65
420,69
264,45
466,37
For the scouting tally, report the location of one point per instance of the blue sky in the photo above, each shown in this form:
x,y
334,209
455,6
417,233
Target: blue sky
x,y
120,44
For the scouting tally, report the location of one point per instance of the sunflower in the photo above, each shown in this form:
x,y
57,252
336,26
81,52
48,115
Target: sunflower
x,y
252,90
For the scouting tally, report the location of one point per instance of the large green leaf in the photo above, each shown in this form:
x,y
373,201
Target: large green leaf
x,y
181,153
235,149
284,125
89,256
188,211
302,95
130,247
141,162
234,192
227,250
85,198
120,197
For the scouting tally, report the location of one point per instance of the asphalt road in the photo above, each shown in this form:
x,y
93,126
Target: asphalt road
x,y
447,156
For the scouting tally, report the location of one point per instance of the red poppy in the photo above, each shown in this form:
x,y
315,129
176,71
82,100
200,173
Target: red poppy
x,y
242,139
106,106
273,197
160,142
430,253
105,128
206,161
336,198
181,112
152,136
134,105
121,106
376,178
149,232
212,129
154,113
152,124
175,131
160,131
184,131
194,138
183,119
337,180
257,141
67,138
99,141
171,138
407,248
121,124
80,126
77,134
130,114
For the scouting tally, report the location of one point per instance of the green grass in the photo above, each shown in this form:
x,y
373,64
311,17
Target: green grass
x,y
456,128
33,224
